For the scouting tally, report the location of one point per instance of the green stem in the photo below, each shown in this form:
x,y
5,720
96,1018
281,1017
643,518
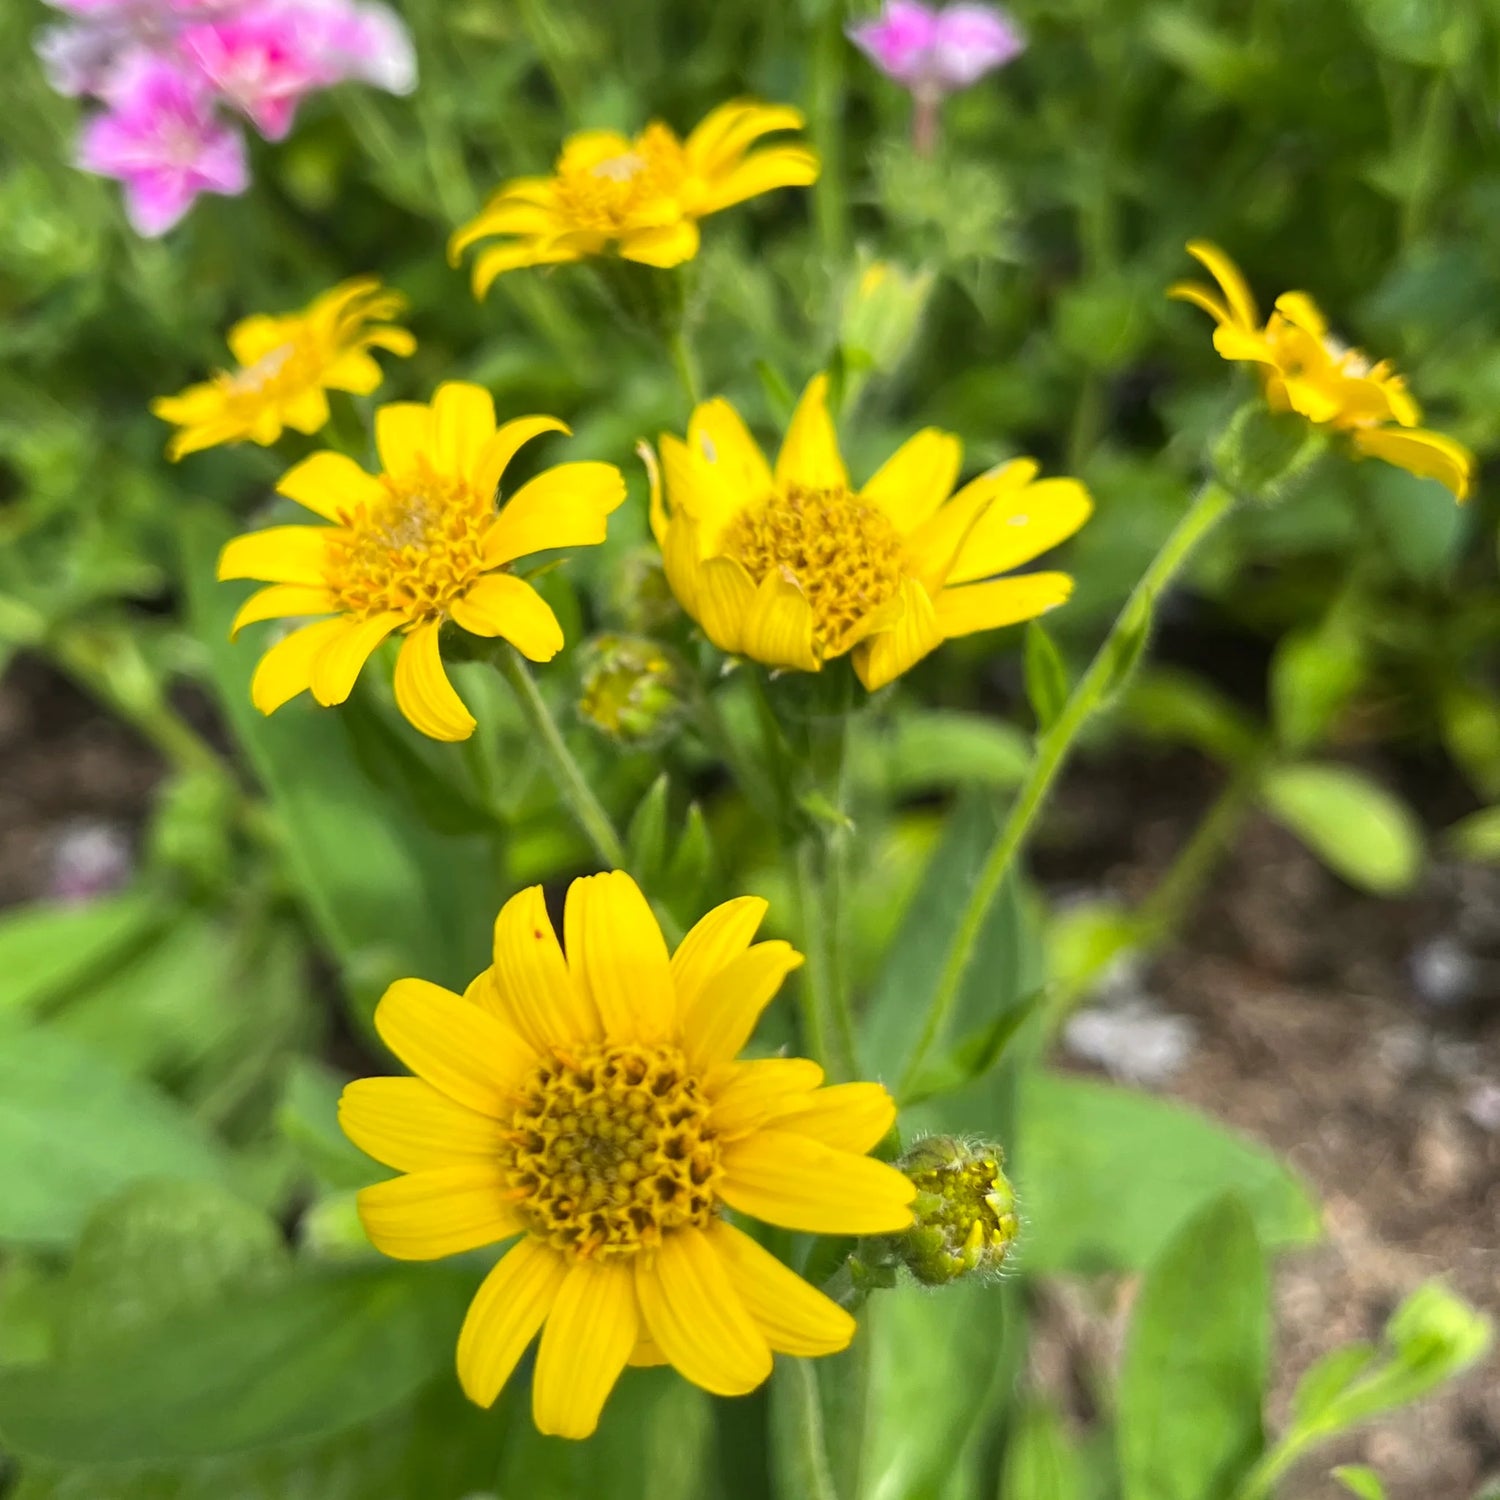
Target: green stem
x,y
803,1445
587,811
826,109
815,993
686,365
1261,1480
1212,504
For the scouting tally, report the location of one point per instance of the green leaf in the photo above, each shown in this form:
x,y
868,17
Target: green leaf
x,y
1470,719
1046,677
1040,1462
46,950
74,1131
1324,1381
1360,1481
1356,827
260,1365
1169,705
975,1055
646,837
307,1116
929,750
693,858
1195,1362
1314,673
1125,648
1477,837
1106,1176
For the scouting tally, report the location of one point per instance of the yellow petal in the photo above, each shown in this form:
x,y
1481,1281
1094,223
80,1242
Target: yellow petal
x,y
306,412
442,1211
884,657
618,958
279,554
423,692
533,252
664,245
779,627
847,1116
502,604
767,1088
916,479
565,506
723,597
730,458
286,669
510,1306
1247,345
531,985
407,1124
589,1335
714,942
1237,294
799,1183
721,1020
795,1318
760,172
463,421
810,452
1300,309
252,338
933,546
459,1049
403,436
1021,525
695,1316
281,601
330,485
354,371
338,664
496,455
646,1355
1199,296
1003,601
724,134
1429,455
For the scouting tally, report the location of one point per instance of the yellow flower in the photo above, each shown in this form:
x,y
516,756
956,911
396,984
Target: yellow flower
x,y
411,548
641,198
285,364
593,1105
1304,369
794,567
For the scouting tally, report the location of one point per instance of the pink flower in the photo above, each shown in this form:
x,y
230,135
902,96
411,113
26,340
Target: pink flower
x,y
933,52
161,138
366,43
260,62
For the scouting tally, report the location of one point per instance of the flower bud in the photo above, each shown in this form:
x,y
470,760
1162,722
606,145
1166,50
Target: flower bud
x,y
633,690
882,311
965,1210
1264,455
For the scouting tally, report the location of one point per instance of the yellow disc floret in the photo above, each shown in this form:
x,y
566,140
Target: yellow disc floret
x,y
611,1148
609,194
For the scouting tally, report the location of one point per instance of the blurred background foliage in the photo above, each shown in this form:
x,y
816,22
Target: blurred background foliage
x,y
170,1053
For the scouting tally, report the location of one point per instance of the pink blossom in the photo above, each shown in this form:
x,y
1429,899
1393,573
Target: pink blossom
x,y
367,43
163,141
259,62
933,52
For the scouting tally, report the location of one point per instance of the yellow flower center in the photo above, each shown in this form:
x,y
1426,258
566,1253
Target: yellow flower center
x,y
414,551
611,1148
844,554
269,370
606,197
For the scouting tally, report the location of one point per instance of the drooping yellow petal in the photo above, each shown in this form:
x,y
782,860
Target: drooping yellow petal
x,y
338,662
252,338
884,657
502,604
305,412
1002,601
463,421
810,451
1429,455
916,479
589,1335
769,1087
442,1211
530,982
512,1303
795,1318
713,943
565,506
1020,525
357,372
720,138
286,669
730,1003
330,485
799,1183
407,1124
695,1316
282,601
618,957
778,630
760,172
459,1049
279,554
497,261
1247,345
403,437
847,1116
496,455
423,692
1237,294
1300,309
1200,296
664,245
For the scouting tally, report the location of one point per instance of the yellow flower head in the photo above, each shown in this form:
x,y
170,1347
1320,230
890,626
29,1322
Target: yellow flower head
x,y
593,1105
1304,369
417,545
285,365
794,566
640,199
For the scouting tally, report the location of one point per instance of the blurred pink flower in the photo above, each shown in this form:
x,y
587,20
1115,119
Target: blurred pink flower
x,y
163,141
933,52
259,61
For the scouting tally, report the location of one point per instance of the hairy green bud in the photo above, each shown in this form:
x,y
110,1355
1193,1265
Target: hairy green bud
x,y
633,690
965,1210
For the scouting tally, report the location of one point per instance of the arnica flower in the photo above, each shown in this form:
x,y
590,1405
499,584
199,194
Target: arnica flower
x,y
1304,369
285,365
640,199
935,52
794,566
593,1105
412,548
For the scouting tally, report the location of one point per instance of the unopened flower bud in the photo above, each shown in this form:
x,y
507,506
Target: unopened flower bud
x,y
1265,455
882,312
965,1210
633,690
